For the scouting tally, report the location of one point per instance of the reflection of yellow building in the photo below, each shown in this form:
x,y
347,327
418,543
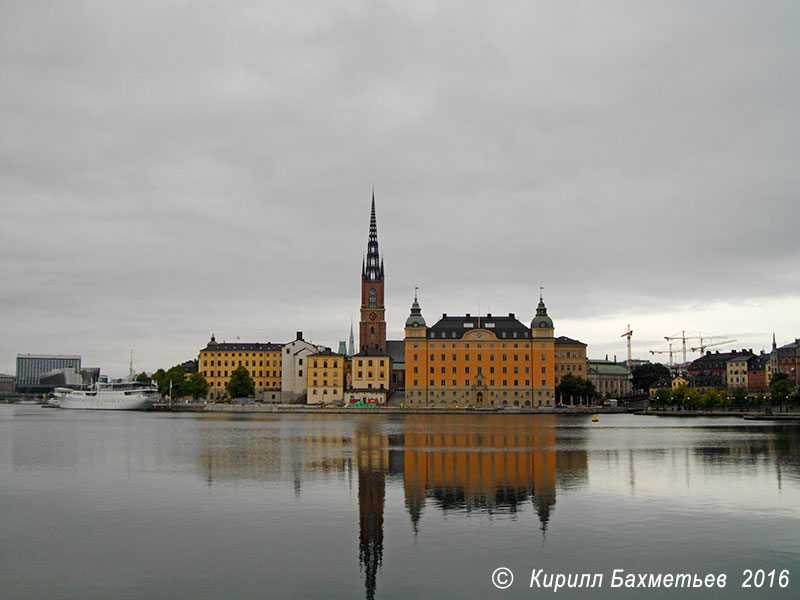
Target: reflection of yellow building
x,y
327,375
492,468
481,360
217,361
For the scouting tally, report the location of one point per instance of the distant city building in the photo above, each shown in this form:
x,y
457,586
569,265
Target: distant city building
x,y
327,377
788,361
8,384
610,379
217,361
482,360
569,357
30,367
711,369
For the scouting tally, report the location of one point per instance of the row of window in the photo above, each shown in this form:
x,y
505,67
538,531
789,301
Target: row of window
x,y
479,357
219,363
466,370
454,383
252,374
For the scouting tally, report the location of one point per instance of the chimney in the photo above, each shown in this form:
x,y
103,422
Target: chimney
x,y
468,315
299,335
488,314
511,316
444,315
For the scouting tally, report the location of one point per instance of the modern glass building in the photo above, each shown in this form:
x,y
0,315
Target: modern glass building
x,y
31,366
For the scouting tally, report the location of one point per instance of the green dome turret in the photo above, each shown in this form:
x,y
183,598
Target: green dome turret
x,y
541,320
415,319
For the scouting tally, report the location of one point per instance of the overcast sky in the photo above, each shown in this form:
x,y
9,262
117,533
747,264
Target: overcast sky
x,y
169,170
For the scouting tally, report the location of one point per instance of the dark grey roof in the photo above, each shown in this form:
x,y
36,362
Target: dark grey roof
x,y
397,350
370,351
506,327
716,359
228,347
326,352
562,339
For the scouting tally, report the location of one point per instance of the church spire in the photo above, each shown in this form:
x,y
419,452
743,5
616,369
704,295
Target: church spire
x,y
374,263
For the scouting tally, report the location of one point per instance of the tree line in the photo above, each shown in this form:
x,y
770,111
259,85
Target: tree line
x,y
195,386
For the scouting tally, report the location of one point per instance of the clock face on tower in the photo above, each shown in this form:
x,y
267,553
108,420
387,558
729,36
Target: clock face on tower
x,y
372,316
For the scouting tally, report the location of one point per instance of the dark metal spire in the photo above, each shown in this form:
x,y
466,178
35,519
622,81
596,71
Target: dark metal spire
x,y
374,266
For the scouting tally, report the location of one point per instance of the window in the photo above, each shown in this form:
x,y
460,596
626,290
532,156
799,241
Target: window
x,y
373,298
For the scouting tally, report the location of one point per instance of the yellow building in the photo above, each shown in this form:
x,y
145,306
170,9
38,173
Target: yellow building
x,y
570,357
217,361
372,369
327,377
480,360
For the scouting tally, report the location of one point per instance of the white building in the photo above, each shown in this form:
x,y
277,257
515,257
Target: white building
x,y
294,368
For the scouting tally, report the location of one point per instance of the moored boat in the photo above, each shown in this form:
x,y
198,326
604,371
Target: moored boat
x,y
127,395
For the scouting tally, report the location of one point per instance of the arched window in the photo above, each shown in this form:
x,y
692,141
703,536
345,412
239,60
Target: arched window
x,y
373,298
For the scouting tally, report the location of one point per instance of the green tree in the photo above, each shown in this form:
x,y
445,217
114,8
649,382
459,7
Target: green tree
x,y
646,375
662,396
711,399
740,396
691,398
160,378
175,376
780,388
241,384
143,377
574,387
197,386
678,396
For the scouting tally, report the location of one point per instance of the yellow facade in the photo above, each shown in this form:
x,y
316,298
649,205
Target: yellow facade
x,y
479,361
570,357
327,377
217,361
371,370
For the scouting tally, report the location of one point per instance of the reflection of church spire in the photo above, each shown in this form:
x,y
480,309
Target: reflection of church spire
x,y
370,455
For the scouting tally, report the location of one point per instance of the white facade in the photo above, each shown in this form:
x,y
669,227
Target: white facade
x,y
294,368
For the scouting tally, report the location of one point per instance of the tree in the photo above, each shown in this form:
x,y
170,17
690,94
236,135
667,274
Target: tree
x,y
691,398
780,388
143,377
740,396
662,396
241,384
574,387
197,386
647,374
711,399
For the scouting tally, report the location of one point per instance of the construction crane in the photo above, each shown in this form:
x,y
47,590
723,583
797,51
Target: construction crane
x,y
628,333
683,337
671,361
702,347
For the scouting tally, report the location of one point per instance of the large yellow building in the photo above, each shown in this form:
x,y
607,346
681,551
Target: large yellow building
x,y
327,377
482,360
217,361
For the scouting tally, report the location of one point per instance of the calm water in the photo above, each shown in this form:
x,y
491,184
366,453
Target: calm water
x,y
145,505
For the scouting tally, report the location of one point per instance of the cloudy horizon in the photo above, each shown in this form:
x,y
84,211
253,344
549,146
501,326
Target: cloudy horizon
x,y
169,171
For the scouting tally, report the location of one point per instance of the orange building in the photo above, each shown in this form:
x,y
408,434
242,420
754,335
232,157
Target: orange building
x,y
570,357
482,360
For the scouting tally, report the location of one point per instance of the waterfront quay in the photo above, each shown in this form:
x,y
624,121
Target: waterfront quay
x,y
221,407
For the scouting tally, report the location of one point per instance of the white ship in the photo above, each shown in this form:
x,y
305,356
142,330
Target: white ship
x,y
127,395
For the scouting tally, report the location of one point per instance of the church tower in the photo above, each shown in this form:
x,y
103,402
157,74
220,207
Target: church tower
x,y
372,327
